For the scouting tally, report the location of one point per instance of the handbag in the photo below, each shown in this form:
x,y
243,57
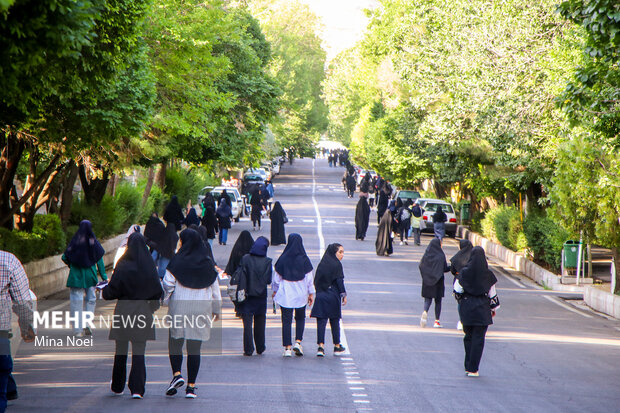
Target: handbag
x,y
237,285
285,219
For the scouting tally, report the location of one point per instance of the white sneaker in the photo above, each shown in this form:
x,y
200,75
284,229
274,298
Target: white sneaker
x,y
400,243
459,326
299,351
136,396
437,324
287,353
423,319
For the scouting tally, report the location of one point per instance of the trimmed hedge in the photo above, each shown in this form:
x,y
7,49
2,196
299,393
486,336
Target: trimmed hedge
x,y
47,238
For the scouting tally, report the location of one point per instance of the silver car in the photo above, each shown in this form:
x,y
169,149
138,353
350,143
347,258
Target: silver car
x,y
237,201
429,205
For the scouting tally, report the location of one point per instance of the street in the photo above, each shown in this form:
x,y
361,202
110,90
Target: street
x,y
541,355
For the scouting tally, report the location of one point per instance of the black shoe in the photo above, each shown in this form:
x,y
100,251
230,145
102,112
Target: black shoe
x,y
320,352
12,395
339,349
190,392
175,383
88,331
245,353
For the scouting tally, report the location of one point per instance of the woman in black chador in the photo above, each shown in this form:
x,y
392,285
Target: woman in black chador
x,y
477,298
242,246
174,213
350,184
253,309
383,200
256,200
209,222
383,244
191,218
439,223
432,267
362,216
278,216
458,261
135,284
330,293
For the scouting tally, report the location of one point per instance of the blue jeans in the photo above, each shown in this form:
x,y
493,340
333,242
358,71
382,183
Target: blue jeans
x,y
210,241
77,304
223,235
162,264
7,384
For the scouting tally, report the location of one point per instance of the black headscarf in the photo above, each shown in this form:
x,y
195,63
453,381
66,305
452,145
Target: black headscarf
x,y
191,266
260,246
362,216
202,231
174,213
154,231
168,244
294,264
84,250
225,197
329,269
131,230
416,210
135,273
242,246
433,263
383,244
192,218
461,258
475,277
278,234
440,216
224,210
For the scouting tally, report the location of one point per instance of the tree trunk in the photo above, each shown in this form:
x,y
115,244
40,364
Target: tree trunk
x,y
615,252
112,185
149,185
12,148
96,188
161,175
67,194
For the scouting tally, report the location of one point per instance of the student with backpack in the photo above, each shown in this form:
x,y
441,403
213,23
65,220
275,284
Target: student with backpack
x,y
403,217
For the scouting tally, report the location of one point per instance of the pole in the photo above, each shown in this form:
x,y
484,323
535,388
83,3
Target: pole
x,y
579,252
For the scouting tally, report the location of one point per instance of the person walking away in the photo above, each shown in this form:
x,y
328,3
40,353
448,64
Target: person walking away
x,y
293,289
477,303
256,201
224,215
209,222
174,213
278,219
253,310
416,222
84,256
203,236
404,222
153,234
432,267
362,218
371,192
270,191
224,197
208,201
14,295
439,223
365,186
242,247
382,203
166,248
383,244
123,247
330,294
351,185
457,262
191,218
193,293
135,284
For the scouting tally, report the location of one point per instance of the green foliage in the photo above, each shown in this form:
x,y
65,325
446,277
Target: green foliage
x,y
47,238
503,224
107,218
185,184
545,238
129,198
50,228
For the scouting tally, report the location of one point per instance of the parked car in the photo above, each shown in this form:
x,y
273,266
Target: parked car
x,y
429,206
360,175
236,199
256,171
276,166
405,194
269,169
250,182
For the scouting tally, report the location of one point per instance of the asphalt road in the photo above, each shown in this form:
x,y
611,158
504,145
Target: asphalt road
x,y
541,355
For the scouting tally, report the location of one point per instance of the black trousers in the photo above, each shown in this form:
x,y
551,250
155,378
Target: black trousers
x,y
175,353
427,306
137,375
258,338
287,323
321,324
474,344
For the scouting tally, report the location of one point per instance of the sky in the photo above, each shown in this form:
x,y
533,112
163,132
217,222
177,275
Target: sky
x,y
344,22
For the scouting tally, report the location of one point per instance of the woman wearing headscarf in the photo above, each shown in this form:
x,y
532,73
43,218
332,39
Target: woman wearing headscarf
x,y
224,197
135,284
208,201
209,222
432,267
330,293
382,202
166,248
278,218
193,294
293,289
372,190
256,201
84,256
458,261
258,270
153,233
121,248
224,214
350,184
383,244
416,222
477,302
191,218
203,236
365,185
174,213
439,223
362,216
403,218
242,247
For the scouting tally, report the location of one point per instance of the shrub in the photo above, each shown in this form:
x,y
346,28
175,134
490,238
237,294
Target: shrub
x,y
107,218
50,228
185,183
503,224
546,239
129,198
47,238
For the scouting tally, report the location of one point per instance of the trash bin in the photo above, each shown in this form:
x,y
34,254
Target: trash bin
x,y
465,211
571,252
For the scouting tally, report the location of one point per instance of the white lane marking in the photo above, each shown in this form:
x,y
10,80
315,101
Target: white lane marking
x,y
330,222
346,358
359,395
357,388
512,280
307,220
361,401
566,306
349,222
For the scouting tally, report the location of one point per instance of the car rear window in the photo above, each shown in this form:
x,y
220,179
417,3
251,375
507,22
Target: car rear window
x,y
409,194
218,194
433,208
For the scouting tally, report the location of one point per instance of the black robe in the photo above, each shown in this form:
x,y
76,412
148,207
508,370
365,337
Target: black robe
x,y
383,244
362,215
432,267
277,215
209,221
382,203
